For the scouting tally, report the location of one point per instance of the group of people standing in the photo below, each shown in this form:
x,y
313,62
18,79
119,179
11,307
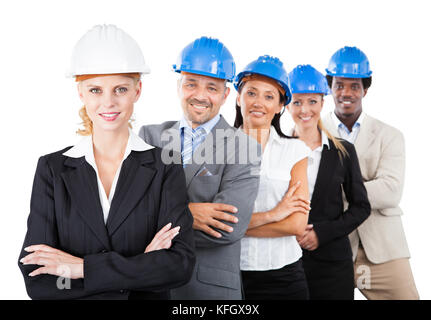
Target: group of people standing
x,y
249,211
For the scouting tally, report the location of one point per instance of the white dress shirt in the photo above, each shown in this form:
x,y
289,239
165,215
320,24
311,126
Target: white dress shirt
x,y
85,149
279,157
314,162
344,132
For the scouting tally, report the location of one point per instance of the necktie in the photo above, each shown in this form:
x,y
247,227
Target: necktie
x,y
192,139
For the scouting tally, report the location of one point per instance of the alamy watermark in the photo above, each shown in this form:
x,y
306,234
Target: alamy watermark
x,y
224,146
64,281
364,279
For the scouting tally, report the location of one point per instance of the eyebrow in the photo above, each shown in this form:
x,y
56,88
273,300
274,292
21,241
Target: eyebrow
x,y
118,85
350,82
195,81
270,91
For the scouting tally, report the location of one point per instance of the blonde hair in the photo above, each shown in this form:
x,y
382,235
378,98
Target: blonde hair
x,y
88,124
342,152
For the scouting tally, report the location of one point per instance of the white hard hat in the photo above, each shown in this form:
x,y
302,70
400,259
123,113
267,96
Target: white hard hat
x,y
106,49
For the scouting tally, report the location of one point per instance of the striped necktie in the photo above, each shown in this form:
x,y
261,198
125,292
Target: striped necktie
x,y
192,139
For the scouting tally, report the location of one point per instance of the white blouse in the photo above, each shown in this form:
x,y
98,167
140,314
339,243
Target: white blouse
x,y
279,157
314,162
85,148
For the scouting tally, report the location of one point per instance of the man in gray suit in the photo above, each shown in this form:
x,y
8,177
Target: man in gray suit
x,y
221,166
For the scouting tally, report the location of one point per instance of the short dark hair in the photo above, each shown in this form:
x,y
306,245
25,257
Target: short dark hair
x,y
366,82
275,121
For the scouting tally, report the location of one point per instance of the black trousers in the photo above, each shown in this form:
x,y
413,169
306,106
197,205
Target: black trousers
x,y
287,283
329,280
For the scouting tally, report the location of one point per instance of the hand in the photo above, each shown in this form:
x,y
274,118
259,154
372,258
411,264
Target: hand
x,y
207,215
290,204
308,240
54,262
163,238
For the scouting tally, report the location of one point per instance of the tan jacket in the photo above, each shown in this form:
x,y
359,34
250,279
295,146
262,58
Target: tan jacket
x,y
381,154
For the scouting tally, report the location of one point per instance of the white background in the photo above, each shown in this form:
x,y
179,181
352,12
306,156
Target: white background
x,y
39,106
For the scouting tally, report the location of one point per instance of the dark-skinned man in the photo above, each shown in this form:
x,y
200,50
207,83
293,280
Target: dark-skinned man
x,y
379,245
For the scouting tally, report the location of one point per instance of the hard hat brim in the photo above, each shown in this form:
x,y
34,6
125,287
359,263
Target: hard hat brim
x,y
348,75
116,71
202,73
287,95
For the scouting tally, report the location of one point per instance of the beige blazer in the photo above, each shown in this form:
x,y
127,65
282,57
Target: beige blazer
x,y
381,154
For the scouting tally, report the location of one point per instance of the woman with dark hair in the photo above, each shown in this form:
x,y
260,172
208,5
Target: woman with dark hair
x,y
270,255
333,167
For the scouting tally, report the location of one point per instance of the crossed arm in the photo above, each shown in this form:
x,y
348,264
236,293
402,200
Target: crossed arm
x,y
104,272
225,220
289,217
55,262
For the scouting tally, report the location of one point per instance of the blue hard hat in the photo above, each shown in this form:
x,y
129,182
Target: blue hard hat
x,y
349,62
306,79
207,57
270,67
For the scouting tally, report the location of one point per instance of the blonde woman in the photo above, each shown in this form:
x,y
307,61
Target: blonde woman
x,y
108,218
333,167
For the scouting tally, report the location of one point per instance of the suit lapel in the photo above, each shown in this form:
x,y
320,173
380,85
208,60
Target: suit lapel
x,y
326,170
175,133
191,169
81,184
175,146
134,180
365,136
208,144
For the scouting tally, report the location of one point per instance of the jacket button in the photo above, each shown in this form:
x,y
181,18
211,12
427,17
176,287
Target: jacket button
x,y
104,251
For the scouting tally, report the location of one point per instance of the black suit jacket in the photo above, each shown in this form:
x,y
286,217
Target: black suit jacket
x,y
331,223
66,214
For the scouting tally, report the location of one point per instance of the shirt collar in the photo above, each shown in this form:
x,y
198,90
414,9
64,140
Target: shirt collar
x,y
207,126
361,118
339,124
325,140
84,148
273,135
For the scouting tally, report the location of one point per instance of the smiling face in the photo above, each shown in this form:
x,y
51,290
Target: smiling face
x,y
259,101
201,97
109,100
305,109
348,94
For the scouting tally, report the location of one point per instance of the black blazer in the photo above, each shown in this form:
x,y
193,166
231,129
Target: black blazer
x,y
66,214
331,223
